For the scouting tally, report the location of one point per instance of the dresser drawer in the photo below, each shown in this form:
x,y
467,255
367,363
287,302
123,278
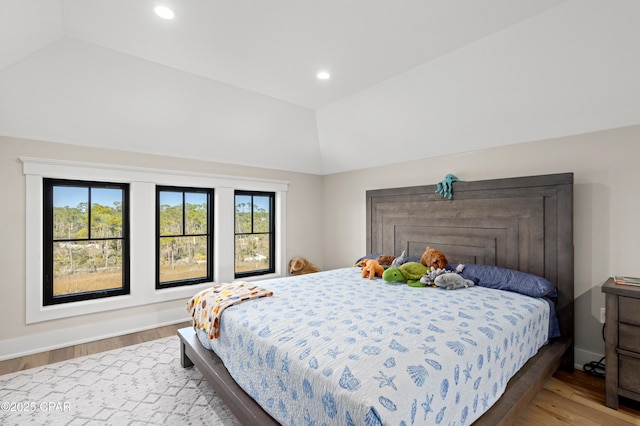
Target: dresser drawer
x,y
629,310
629,337
628,377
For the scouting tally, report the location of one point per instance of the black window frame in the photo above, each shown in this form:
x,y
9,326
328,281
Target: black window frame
x,y
48,297
272,232
209,192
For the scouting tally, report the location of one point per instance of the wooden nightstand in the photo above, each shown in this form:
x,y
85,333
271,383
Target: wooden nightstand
x,y
622,342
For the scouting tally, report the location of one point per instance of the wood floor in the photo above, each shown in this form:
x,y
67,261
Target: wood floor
x,y
62,354
577,399
567,399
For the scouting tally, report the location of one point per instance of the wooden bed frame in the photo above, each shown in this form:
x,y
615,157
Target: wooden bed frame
x,y
518,223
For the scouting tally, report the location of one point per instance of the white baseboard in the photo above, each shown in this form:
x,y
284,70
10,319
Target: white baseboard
x,y
582,357
42,342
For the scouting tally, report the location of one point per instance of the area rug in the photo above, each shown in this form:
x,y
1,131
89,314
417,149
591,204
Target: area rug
x,y
142,384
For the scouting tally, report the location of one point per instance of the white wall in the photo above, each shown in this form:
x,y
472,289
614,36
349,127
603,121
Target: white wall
x,y
304,237
569,70
606,206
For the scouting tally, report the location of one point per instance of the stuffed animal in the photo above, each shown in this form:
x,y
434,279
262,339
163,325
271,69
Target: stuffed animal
x,y
385,259
452,281
372,268
445,188
399,260
430,277
449,280
433,258
409,272
301,266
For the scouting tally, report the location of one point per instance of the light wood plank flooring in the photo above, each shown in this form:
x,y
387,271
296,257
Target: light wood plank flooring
x,y
567,399
577,399
62,354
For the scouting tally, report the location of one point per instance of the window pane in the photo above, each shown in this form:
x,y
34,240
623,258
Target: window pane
x,y
184,238
106,213
183,258
170,213
261,214
86,266
254,249
196,213
85,241
70,213
243,214
252,252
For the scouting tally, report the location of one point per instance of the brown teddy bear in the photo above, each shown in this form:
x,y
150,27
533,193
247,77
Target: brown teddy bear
x,y
372,268
386,259
301,266
433,258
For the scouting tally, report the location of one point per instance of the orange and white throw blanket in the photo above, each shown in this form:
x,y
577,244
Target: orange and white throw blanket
x,y
206,306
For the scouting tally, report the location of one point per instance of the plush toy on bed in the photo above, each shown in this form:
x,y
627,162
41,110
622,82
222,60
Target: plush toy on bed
x,y
430,277
385,259
371,268
447,279
409,272
433,258
399,260
452,281
301,266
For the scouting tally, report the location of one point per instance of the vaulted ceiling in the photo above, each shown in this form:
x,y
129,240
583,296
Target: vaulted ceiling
x,y
235,81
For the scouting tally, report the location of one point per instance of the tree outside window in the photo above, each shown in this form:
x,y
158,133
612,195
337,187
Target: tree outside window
x,y
184,236
254,233
86,240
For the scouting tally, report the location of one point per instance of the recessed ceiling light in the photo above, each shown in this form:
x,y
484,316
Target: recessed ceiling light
x,y
164,12
323,75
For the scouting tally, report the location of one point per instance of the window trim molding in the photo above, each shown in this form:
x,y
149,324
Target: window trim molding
x,y
142,230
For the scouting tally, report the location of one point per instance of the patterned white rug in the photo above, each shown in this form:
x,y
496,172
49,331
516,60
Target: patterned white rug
x,y
137,385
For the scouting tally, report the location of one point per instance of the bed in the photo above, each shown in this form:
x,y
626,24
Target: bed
x,y
523,224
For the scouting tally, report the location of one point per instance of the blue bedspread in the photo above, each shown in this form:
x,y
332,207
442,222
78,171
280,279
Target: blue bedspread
x,y
334,348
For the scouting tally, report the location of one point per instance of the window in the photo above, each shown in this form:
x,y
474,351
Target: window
x,y
138,240
184,236
86,240
254,233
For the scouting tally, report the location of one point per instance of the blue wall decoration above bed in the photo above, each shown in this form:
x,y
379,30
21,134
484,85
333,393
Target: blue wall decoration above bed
x,y
445,187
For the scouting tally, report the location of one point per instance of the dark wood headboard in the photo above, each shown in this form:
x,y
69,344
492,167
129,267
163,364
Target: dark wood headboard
x,y
523,223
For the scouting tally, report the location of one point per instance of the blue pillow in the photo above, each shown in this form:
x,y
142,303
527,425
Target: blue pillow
x,y
375,256
508,279
369,256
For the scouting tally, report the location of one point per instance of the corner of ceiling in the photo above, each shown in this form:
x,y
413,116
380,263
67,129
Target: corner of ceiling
x,y
31,27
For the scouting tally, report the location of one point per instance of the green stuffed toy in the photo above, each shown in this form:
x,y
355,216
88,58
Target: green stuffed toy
x,y
409,272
